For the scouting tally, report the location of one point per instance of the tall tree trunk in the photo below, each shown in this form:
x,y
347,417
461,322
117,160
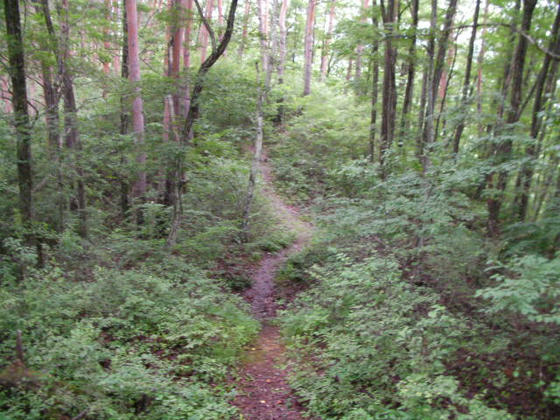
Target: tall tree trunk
x,y
168,194
187,57
427,100
444,87
179,7
255,165
308,51
16,70
245,31
428,135
107,41
374,89
409,90
527,170
194,111
360,49
124,116
50,81
502,151
479,63
140,184
389,86
71,132
204,31
264,36
282,39
326,42
466,81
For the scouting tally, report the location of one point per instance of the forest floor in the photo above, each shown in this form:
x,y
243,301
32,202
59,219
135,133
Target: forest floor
x,y
263,390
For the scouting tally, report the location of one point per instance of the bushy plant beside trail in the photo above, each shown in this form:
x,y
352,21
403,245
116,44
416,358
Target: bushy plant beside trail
x,y
412,311
373,346
120,325
152,342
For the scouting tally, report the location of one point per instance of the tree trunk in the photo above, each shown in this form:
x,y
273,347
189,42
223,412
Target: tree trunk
x,y
444,87
374,91
255,166
124,117
360,50
204,31
466,81
245,28
140,184
528,168
503,150
479,62
389,86
409,90
71,132
425,123
21,117
50,82
264,37
428,135
326,43
308,51
193,113
107,42
187,57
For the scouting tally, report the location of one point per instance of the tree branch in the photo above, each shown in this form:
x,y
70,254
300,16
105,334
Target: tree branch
x,y
206,25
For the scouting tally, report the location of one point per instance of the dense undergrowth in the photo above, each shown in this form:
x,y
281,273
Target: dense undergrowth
x,y
410,310
129,328
121,325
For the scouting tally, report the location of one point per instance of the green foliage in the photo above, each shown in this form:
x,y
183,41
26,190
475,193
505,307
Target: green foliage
x,y
141,343
383,344
528,285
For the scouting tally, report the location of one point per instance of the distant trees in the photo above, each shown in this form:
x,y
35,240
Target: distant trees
x,y
399,56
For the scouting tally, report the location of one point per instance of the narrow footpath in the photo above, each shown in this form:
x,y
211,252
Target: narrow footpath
x,y
263,390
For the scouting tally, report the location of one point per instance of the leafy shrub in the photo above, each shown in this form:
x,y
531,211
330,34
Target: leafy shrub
x,y
144,343
365,338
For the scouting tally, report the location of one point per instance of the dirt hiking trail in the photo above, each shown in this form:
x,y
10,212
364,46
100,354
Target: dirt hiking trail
x,y
263,390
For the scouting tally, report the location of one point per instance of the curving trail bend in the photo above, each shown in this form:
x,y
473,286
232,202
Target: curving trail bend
x,y
263,390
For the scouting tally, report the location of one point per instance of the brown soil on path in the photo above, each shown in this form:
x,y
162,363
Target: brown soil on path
x,y
263,390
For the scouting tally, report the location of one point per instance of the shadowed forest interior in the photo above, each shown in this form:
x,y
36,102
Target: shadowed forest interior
x,y
279,209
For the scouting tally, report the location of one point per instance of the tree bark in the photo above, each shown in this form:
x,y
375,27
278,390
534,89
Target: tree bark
x,y
374,90
124,116
466,81
194,111
326,43
16,70
389,86
308,50
204,31
502,151
409,90
527,170
50,82
140,184
427,99
479,62
255,165
71,132
245,30
428,135
360,50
